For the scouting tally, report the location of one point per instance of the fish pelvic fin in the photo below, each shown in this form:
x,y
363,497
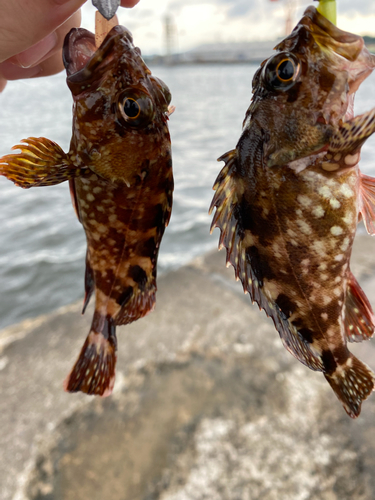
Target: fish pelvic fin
x,y
352,382
41,162
94,371
350,136
359,317
367,202
89,283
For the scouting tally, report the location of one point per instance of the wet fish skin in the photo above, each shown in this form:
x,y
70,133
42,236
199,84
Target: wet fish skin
x,y
290,195
119,169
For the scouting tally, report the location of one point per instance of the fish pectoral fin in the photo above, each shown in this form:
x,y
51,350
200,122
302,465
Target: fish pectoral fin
x,y
367,202
94,371
41,163
350,136
352,382
359,317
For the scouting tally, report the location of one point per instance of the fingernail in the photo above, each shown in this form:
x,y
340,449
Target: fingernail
x,y
35,53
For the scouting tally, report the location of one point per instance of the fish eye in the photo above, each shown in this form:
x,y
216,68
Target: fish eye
x,y
135,108
131,108
285,70
281,71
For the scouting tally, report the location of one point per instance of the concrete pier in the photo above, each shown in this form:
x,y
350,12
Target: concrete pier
x,y
207,405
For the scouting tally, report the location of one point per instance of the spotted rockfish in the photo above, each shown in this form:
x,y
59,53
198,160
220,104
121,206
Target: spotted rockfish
x,y
290,195
120,173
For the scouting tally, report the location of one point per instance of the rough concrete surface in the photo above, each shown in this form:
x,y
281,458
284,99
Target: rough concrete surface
x,y
207,405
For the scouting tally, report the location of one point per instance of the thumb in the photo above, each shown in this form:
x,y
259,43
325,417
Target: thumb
x,y
23,24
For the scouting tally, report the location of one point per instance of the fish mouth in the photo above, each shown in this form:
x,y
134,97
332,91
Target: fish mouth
x,y
84,62
346,51
329,36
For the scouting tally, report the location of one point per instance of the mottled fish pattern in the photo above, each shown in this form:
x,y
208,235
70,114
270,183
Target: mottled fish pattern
x,y
290,195
120,174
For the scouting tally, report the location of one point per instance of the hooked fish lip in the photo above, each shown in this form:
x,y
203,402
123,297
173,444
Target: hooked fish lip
x,y
81,57
329,36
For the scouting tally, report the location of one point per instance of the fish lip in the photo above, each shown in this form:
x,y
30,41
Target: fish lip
x,y
329,36
81,58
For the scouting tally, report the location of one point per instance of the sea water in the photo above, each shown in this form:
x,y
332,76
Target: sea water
x,y
42,245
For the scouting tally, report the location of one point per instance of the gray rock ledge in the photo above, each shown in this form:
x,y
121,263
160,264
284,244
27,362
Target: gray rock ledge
x,y
207,405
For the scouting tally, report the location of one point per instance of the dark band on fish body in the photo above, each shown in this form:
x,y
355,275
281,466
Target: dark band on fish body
x,y
138,275
124,297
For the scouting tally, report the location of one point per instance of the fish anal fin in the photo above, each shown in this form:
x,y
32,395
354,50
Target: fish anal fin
x,y
352,382
367,202
137,301
94,371
359,317
41,162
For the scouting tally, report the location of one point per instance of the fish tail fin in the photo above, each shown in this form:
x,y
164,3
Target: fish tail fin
x,y
94,371
41,163
352,383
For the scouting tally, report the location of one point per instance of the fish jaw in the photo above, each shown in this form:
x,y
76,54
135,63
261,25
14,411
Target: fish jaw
x,y
102,81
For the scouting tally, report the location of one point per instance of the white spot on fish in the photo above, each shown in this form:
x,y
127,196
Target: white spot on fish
x,y
325,192
336,230
345,244
324,316
304,200
318,211
90,197
304,226
334,203
346,191
348,219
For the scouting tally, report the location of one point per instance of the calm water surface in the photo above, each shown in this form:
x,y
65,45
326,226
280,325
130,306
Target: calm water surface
x,y
42,245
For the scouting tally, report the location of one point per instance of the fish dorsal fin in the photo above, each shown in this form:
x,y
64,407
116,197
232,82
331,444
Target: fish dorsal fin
x,y
232,237
350,136
367,202
41,163
359,316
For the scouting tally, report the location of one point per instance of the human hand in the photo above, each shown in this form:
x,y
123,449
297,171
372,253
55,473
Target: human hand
x,y
32,36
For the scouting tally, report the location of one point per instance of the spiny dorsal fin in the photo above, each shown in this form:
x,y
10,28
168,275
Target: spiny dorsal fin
x,y
352,383
232,237
359,317
350,136
367,202
41,163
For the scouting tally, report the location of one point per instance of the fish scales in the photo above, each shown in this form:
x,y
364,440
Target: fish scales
x,y
290,195
119,169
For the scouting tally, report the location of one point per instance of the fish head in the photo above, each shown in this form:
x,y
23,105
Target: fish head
x,y
306,90
120,110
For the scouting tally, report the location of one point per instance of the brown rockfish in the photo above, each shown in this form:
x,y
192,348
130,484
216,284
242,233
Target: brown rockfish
x,y
120,173
290,195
